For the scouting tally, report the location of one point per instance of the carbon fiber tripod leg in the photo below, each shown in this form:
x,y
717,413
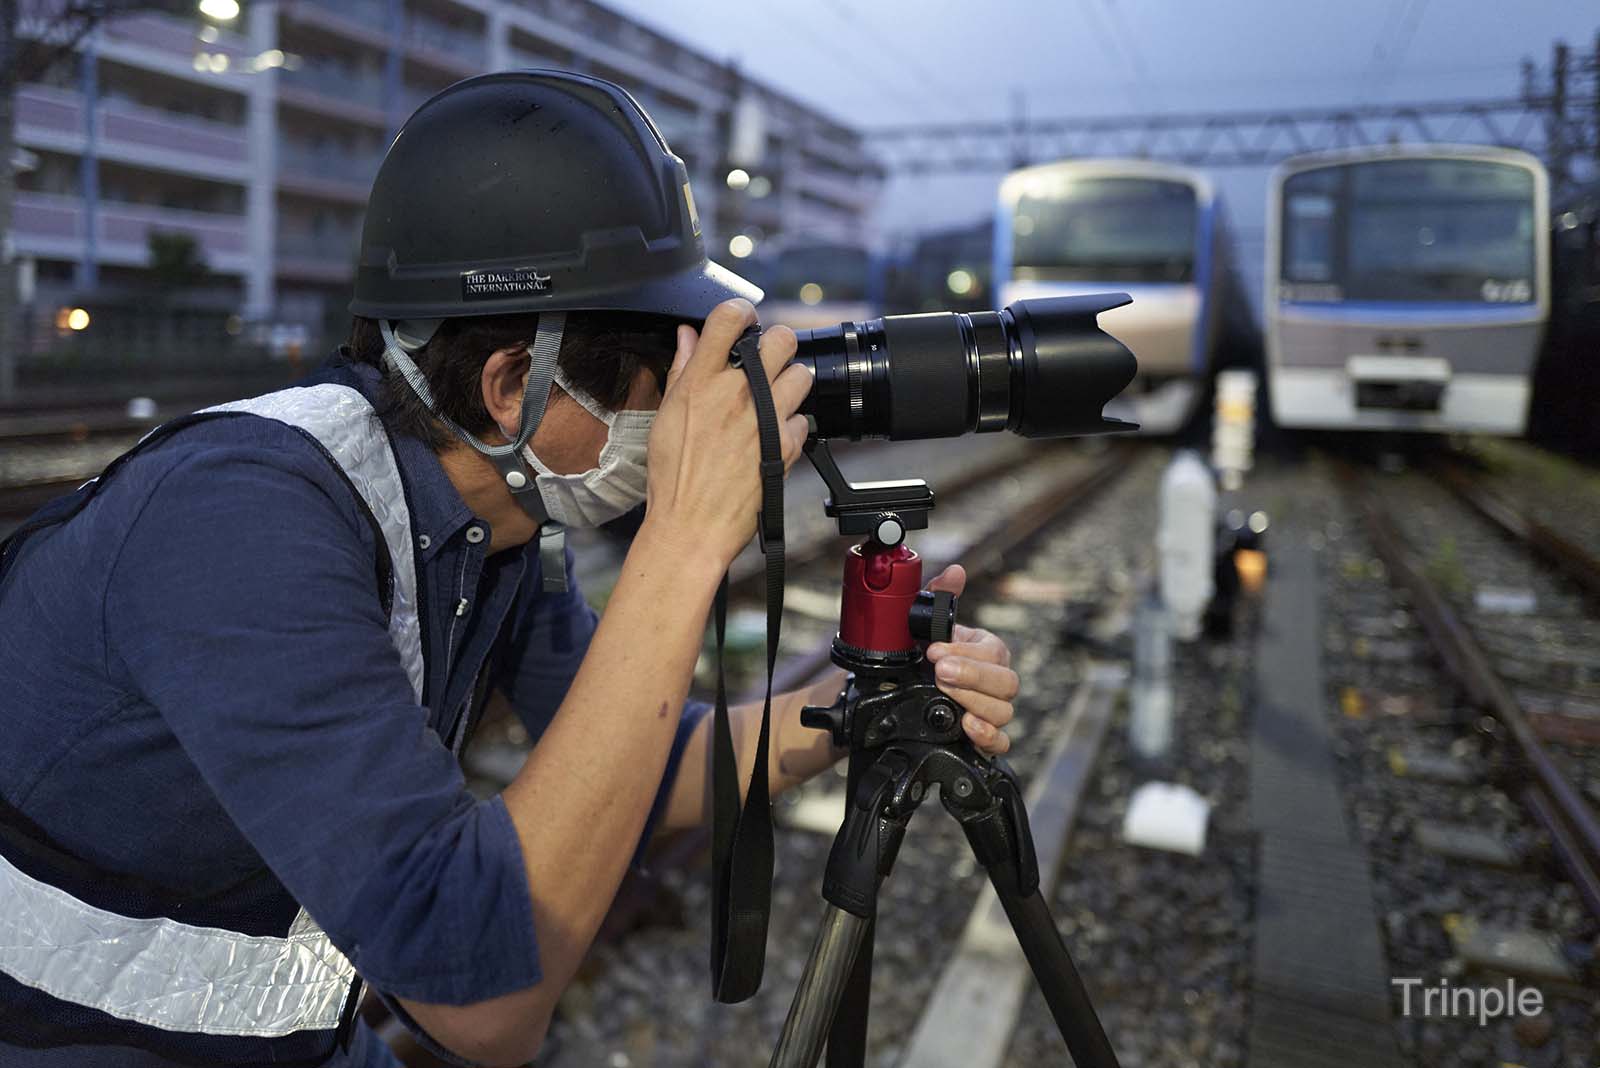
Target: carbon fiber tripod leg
x,y
828,970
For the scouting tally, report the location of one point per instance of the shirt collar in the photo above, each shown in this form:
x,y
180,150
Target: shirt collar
x,y
437,510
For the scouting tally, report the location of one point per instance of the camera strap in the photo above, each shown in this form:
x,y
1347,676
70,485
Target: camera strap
x,y
741,835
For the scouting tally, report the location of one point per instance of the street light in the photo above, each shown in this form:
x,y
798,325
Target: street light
x,y
220,10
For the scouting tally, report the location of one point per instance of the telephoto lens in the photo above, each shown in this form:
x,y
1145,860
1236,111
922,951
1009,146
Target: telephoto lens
x,y
1040,368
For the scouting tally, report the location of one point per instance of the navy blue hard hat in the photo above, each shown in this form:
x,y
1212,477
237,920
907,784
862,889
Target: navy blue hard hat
x,y
529,191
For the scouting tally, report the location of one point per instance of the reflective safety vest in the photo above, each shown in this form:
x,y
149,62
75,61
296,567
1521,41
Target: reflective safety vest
x,y
92,957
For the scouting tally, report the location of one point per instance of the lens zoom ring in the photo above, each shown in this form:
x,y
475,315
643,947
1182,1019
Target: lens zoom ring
x,y
855,381
994,373
927,376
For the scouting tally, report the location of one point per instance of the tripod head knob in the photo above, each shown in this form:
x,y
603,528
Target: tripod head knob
x,y
933,616
834,718
890,530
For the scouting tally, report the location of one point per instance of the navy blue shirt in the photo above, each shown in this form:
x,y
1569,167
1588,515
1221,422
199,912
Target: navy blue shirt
x,y
199,684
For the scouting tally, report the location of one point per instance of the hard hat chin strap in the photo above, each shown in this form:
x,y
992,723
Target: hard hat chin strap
x,y
404,338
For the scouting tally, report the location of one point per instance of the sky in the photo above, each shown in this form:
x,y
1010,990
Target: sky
x,y
881,62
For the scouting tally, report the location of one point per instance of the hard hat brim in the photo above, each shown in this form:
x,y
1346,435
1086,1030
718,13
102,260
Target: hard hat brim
x,y
690,294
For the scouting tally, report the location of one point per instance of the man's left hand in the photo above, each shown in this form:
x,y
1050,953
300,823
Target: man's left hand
x,y
975,669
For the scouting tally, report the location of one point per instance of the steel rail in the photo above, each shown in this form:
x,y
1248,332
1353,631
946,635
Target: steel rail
x,y
44,432
1561,807
1575,562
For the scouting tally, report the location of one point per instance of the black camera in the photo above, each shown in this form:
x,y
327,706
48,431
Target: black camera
x,y
1040,368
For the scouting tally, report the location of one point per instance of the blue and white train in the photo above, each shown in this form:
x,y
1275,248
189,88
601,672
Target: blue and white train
x,y
1407,288
1155,231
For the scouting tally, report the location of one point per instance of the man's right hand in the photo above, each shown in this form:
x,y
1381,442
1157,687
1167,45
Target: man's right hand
x,y
705,484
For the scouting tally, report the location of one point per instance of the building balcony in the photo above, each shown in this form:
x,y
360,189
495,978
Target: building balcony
x,y
168,44
51,226
447,47
685,129
572,27
528,57
364,22
329,258
850,193
329,89
342,176
53,119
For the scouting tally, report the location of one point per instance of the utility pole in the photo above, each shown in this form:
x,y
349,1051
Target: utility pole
x,y
1560,150
87,276
9,52
1019,129
1594,113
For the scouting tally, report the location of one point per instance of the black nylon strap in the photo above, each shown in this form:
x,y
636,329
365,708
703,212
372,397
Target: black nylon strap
x,y
741,837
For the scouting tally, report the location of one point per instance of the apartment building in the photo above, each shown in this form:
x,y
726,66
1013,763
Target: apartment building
x,y
259,138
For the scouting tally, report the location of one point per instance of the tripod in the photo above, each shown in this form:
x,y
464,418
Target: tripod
x,y
904,736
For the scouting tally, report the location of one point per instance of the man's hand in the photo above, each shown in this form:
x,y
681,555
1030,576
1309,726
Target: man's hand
x,y
975,669
704,464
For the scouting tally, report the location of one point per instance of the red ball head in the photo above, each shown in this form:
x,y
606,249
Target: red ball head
x,y
880,584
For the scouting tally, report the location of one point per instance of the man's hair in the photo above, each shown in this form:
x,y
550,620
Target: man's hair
x,y
601,352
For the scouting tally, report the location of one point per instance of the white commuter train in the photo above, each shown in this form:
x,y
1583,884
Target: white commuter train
x,y
1153,230
1407,288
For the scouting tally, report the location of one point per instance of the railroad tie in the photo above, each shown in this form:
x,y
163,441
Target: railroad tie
x,y
1321,995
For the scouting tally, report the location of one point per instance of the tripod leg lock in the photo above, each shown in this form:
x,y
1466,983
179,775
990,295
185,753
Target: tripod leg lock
x,y
864,850
998,830
1010,796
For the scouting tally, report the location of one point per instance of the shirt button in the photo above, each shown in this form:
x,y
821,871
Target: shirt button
x,y
474,535
423,541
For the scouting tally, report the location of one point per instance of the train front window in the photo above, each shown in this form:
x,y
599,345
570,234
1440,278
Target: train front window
x,y
1431,230
1422,230
1308,253
1105,229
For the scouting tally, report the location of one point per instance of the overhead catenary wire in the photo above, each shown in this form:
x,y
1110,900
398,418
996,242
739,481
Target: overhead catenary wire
x,y
1130,47
1405,34
869,70
1110,42
886,43
1380,50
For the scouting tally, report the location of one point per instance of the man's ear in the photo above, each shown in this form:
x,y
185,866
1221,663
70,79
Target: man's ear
x,y
503,381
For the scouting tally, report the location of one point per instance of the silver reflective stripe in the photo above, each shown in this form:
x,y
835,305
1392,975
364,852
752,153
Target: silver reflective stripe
x,y
344,422
166,974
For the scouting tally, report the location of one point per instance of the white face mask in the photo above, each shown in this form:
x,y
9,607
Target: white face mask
x,y
601,493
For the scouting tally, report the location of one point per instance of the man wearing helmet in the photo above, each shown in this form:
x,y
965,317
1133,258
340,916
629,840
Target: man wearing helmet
x,y
242,664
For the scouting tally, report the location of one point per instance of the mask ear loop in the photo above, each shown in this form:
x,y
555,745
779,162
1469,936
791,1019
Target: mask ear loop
x,y
584,398
398,346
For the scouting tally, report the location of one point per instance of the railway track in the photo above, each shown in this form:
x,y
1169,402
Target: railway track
x,y
70,430
51,448
67,416
1499,672
32,475
1459,698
